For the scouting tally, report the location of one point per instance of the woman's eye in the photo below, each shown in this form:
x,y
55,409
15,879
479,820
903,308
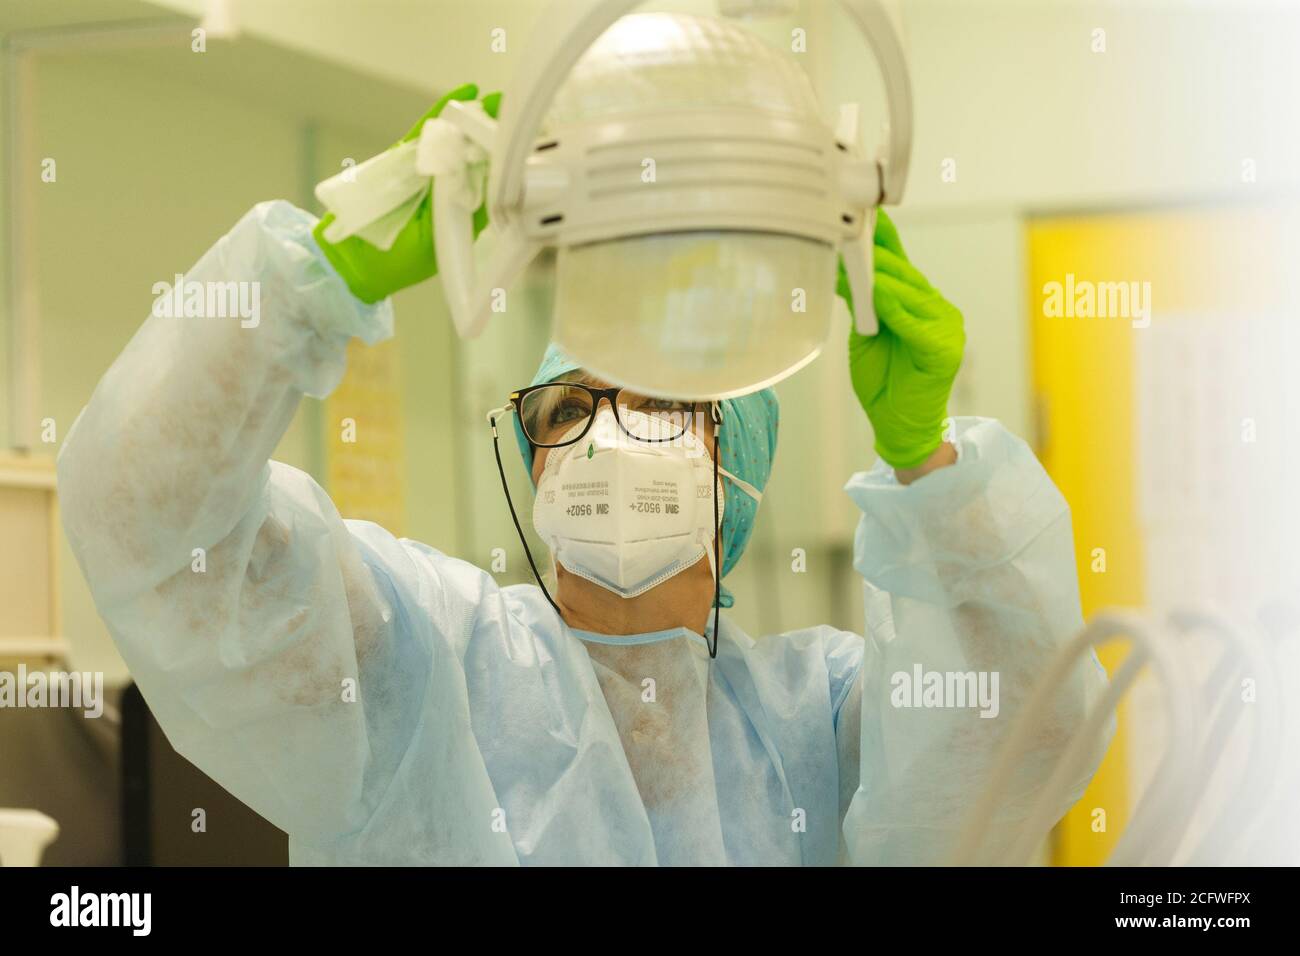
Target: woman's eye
x,y
659,405
568,411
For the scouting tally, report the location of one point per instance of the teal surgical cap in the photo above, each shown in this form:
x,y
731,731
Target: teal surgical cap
x,y
748,442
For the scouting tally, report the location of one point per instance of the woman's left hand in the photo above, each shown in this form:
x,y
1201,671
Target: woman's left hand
x,y
903,375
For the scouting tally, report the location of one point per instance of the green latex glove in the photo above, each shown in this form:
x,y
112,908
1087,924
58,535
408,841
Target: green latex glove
x,y
903,375
373,274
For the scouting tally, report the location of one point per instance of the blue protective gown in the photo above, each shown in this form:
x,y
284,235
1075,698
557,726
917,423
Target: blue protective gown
x,y
385,703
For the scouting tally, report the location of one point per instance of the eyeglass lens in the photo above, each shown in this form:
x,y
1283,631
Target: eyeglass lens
x,y
550,412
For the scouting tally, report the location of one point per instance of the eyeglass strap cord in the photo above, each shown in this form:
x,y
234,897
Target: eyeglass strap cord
x,y
505,486
715,410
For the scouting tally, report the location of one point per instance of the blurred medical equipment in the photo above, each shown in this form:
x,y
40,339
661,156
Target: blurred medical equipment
x,y
697,200
1102,628
1200,718
1239,760
24,835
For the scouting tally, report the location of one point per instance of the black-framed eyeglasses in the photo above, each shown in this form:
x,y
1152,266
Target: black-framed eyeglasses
x,y
550,412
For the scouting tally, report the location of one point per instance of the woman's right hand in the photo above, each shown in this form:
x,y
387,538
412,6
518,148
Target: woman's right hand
x,y
373,273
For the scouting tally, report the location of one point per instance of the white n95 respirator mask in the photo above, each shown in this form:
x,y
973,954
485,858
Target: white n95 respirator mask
x,y
626,514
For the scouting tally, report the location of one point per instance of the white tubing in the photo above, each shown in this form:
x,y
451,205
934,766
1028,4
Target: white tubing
x,y
1147,649
1071,763
1260,776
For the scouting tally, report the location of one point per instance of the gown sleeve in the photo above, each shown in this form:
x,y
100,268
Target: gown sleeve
x,y
971,589
247,610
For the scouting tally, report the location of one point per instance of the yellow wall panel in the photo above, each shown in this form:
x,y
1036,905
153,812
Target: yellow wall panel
x,y
365,429
1196,260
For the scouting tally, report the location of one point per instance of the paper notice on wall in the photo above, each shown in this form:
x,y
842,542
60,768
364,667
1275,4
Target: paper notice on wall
x,y
365,427
1218,397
